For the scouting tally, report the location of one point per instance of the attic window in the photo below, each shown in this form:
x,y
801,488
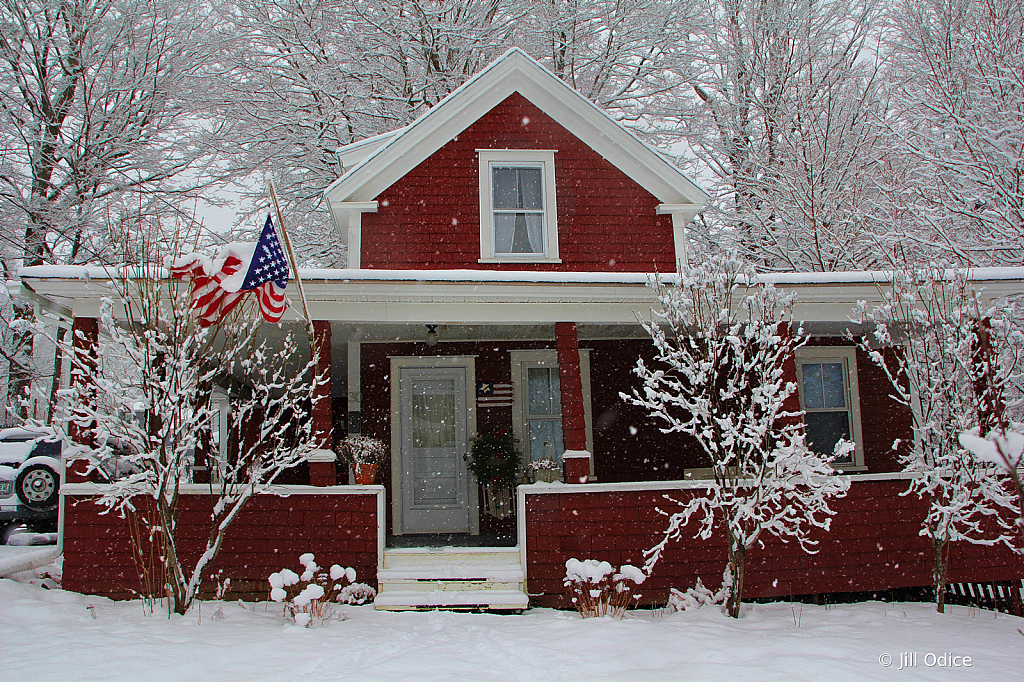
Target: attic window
x,y
518,221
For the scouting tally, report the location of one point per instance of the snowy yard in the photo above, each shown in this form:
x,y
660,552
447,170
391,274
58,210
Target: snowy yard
x,y
56,635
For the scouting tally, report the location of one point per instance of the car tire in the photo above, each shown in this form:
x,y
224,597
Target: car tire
x,y
38,486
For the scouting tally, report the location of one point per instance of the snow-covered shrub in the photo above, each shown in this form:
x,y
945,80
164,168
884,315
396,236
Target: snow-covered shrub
x,y
956,365
722,341
597,589
308,595
697,596
357,594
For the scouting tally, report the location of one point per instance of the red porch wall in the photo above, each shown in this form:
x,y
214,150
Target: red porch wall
x,y
873,545
430,219
268,535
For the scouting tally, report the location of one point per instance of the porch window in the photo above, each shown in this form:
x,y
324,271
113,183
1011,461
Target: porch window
x,y
830,400
517,206
543,413
537,403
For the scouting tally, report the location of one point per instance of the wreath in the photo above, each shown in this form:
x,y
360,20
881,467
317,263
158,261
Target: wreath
x,y
494,460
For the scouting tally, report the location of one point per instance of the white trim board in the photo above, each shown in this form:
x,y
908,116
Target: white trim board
x,y
653,486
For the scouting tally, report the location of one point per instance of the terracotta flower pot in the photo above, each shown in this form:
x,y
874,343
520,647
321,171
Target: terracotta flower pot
x,y
365,474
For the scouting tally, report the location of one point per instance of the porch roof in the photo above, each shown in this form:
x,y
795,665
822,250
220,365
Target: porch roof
x,y
497,297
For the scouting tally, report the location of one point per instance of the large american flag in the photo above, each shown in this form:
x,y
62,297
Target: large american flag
x,y
219,284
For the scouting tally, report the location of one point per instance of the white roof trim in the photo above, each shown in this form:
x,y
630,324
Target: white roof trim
x,y
352,154
515,71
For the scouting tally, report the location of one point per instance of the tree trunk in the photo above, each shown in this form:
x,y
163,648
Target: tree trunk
x,y
939,570
737,561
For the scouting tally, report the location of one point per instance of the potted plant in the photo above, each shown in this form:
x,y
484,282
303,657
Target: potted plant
x,y
495,462
365,455
546,470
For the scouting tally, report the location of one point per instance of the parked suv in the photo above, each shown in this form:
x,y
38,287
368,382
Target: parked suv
x,y
30,467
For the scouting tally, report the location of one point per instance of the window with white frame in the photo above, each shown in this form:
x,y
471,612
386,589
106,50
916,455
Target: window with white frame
x,y
829,396
518,220
537,403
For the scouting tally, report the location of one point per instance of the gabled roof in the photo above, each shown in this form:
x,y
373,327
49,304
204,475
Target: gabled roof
x,y
381,161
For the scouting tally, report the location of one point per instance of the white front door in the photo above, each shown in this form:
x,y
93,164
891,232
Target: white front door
x,y
433,439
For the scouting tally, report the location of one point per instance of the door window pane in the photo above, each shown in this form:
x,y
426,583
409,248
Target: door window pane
x,y
433,414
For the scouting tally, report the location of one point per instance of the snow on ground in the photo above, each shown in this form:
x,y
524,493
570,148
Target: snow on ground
x,y
57,635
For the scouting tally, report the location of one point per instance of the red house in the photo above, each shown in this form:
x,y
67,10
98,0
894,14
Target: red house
x,y
499,251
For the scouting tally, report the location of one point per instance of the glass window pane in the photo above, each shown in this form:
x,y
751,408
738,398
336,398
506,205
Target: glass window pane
x,y
545,439
504,187
544,392
504,228
824,429
517,188
832,379
521,237
813,393
530,190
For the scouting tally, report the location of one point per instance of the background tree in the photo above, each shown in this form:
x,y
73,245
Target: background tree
x,y
958,70
952,355
780,111
307,77
97,103
722,342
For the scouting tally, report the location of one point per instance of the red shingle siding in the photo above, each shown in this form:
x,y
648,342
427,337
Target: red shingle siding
x,y
430,219
873,545
268,535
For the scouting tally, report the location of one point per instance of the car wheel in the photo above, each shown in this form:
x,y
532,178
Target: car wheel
x,y
37,487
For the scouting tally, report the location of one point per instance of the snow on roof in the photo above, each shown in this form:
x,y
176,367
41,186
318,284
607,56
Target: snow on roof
x,y
343,274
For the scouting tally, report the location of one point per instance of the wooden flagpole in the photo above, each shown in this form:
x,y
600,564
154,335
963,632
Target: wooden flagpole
x,y
291,255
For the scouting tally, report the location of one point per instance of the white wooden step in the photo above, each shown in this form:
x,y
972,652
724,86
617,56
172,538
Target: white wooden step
x,y
495,600
420,557
451,577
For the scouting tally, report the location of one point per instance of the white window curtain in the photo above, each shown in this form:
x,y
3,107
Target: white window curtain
x,y
518,205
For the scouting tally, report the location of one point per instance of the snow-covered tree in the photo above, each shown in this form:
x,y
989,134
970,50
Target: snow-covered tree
x,y
957,365
781,109
958,67
622,54
97,102
723,340
143,409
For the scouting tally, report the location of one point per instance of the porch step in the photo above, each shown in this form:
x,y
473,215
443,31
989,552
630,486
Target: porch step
x,y
424,578
492,600
421,557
